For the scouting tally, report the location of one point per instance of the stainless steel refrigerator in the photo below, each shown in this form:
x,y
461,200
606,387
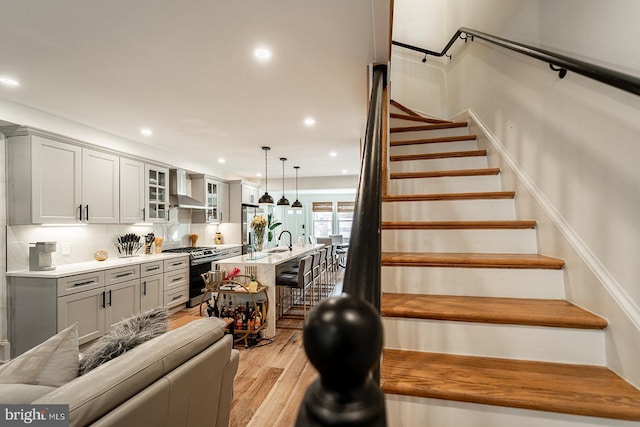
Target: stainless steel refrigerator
x,y
248,212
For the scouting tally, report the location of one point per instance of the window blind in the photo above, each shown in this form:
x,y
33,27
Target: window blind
x,y
322,207
346,207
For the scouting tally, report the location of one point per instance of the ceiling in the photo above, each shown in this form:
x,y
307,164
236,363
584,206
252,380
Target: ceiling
x,y
187,70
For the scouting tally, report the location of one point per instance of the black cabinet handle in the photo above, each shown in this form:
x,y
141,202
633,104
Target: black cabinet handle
x,y
80,212
109,298
144,214
144,288
87,212
103,300
176,297
123,274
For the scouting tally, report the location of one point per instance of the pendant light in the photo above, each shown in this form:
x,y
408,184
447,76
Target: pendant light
x,y
283,201
297,203
266,199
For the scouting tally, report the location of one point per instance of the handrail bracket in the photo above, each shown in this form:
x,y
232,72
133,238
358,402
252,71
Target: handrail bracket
x,y
561,71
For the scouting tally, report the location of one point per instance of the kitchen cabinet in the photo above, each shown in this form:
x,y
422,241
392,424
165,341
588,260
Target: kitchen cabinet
x,y
132,185
250,194
215,196
156,194
98,308
53,181
151,285
241,193
176,282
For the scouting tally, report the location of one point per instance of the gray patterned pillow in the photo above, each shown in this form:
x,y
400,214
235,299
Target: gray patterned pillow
x,y
125,336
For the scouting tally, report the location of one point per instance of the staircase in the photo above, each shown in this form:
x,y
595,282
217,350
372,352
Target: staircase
x,y
477,328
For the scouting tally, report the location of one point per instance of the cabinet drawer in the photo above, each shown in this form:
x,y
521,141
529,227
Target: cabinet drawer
x,y
236,251
151,268
225,253
176,263
176,296
81,282
174,279
122,274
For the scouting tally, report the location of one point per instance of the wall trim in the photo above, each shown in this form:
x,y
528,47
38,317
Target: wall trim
x,y
5,352
612,286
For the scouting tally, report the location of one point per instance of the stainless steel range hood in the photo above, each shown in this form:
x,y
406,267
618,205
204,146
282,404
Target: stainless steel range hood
x,y
178,196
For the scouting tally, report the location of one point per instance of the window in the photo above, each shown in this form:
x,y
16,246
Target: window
x,y
322,218
345,218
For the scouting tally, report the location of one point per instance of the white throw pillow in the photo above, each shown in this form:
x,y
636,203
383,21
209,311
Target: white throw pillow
x,y
52,363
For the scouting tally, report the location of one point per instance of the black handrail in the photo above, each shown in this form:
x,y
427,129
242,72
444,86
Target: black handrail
x,y
362,274
558,62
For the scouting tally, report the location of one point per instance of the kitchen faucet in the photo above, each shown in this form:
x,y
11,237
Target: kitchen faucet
x,y
290,238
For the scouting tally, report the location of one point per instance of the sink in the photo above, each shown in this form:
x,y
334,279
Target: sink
x,y
277,250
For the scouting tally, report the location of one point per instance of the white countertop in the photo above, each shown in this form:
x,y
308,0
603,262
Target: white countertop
x,y
90,266
272,258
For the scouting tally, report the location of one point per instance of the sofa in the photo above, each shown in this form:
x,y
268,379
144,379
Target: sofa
x,y
181,378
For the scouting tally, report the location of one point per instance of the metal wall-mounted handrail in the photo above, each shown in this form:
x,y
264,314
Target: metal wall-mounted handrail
x,y
557,61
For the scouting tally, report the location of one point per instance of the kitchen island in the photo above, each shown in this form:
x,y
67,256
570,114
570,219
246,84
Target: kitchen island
x,y
266,263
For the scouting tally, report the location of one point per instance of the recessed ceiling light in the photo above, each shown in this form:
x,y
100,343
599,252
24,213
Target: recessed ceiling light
x,y
258,174
222,161
333,154
262,54
345,171
309,121
9,81
146,131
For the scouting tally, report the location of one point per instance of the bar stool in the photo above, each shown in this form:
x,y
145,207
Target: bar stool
x,y
300,281
316,270
324,288
331,274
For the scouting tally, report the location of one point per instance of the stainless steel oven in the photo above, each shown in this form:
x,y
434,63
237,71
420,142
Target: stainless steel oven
x,y
200,259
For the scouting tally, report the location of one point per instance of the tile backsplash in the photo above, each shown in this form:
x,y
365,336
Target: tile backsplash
x,y
84,241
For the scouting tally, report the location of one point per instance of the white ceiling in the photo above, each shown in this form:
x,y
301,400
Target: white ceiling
x,y
186,69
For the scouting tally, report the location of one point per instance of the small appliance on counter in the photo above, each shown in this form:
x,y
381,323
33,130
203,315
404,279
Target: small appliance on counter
x,y
40,256
218,239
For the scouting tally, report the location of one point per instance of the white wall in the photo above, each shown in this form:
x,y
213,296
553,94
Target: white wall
x,y
574,140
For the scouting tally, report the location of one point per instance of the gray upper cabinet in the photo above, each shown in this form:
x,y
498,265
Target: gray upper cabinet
x,y
51,181
215,196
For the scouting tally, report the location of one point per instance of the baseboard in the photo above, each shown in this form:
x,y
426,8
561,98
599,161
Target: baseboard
x,y
5,351
619,295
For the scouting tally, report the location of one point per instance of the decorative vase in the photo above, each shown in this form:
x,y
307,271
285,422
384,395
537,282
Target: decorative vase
x,y
259,240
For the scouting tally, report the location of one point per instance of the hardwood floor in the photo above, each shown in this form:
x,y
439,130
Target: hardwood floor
x,y
273,375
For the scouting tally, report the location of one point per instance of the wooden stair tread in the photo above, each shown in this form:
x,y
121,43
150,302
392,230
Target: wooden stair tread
x,y
572,389
470,137
513,311
449,196
470,260
416,118
457,225
435,126
431,156
403,108
447,173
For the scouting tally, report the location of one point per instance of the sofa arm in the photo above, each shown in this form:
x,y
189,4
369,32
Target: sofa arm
x,y
226,389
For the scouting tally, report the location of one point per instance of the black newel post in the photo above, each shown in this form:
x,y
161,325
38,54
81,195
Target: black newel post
x,y
343,340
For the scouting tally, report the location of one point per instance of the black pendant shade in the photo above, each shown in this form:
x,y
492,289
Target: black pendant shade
x,y
297,203
283,201
266,199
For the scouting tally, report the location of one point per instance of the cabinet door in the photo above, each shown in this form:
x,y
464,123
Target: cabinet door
x,y
86,308
123,301
223,202
151,292
56,185
131,191
156,194
212,212
100,189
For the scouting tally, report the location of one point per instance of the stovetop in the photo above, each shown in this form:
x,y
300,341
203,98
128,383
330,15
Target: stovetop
x,y
195,251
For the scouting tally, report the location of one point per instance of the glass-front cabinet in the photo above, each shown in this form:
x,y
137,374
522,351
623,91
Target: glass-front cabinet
x,y
156,194
215,196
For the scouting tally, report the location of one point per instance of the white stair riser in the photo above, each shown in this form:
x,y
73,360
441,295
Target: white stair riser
x,y
446,184
503,241
449,163
561,345
433,133
450,210
433,147
410,411
481,282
